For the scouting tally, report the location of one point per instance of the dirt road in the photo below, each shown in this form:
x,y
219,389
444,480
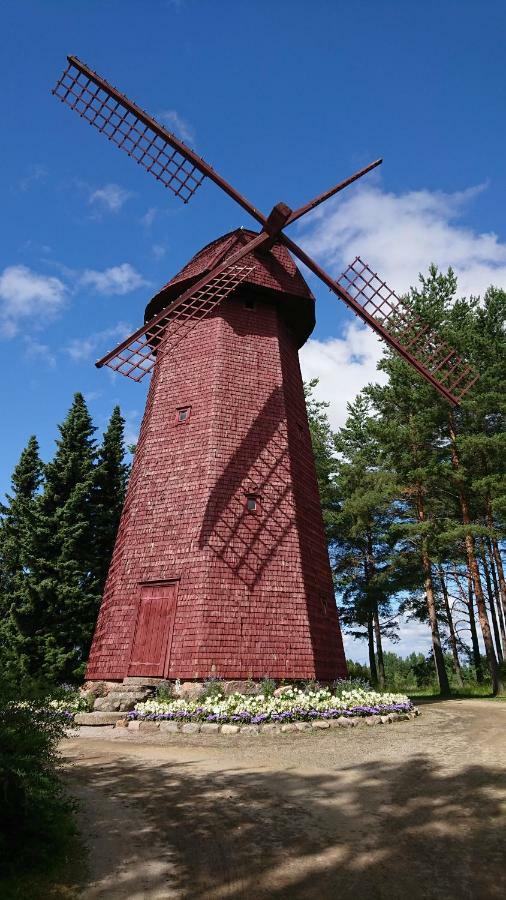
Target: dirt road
x,y
412,810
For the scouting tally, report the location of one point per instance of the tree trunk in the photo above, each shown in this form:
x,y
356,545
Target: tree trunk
x,y
474,634
451,627
442,677
497,593
497,686
379,648
496,556
372,658
371,569
491,603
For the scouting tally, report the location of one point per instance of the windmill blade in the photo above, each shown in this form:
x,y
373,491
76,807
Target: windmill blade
x,y
398,325
308,207
135,357
448,372
152,146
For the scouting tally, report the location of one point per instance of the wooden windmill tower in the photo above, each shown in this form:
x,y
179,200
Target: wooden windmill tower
x,y
220,565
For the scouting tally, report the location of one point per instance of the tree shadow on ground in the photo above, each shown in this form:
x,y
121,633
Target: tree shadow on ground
x,y
374,830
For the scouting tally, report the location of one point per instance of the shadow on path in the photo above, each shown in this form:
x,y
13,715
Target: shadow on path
x,y
373,830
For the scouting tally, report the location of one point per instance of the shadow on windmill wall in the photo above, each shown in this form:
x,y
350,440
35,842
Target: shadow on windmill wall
x,y
246,542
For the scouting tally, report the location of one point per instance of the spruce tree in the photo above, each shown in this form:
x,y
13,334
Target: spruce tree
x,y
17,526
61,591
111,476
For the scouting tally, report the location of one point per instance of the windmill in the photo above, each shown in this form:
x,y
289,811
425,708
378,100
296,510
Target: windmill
x,y
220,565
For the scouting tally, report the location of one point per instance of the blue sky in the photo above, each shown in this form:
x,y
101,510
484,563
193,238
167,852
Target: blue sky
x,y
284,99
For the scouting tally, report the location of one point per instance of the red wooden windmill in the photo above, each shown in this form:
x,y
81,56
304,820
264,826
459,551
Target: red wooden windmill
x,y
220,565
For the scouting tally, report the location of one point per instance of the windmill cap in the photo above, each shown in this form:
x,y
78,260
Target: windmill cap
x,y
275,276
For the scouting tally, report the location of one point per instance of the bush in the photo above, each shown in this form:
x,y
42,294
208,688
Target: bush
x,y
213,689
164,691
36,820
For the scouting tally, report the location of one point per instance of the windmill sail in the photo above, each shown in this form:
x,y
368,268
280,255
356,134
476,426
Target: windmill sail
x,y
418,341
136,355
151,145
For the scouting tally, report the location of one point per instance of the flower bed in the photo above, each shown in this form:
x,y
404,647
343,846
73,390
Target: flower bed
x,y
292,705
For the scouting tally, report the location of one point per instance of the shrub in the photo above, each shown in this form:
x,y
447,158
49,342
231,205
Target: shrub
x,y
213,689
35,817
267,687
164,691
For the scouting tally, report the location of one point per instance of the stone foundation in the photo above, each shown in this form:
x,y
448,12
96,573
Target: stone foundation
x,y
122,696
149,726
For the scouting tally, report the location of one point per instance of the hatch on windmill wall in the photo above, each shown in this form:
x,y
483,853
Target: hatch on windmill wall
x,y
153,630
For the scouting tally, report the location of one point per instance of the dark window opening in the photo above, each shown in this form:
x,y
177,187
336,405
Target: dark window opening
x,y
323,601
183,415
251,502
249,304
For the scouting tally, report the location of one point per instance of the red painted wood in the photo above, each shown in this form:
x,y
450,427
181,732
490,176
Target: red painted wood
x,y
255,594
153,631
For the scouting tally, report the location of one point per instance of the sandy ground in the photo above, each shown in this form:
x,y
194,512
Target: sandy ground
x,y
411,810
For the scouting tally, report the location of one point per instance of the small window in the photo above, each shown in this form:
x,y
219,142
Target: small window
x,y
249,303
251,502
183,415
323,601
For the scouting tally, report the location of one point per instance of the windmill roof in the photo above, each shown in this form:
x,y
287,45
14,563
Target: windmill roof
x,y
274,271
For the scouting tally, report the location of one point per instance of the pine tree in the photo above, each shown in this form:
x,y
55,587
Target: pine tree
x,y
322,440
111,476
407,426
360,534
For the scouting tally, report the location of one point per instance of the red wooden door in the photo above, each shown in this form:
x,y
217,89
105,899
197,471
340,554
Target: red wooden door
x,y
153,630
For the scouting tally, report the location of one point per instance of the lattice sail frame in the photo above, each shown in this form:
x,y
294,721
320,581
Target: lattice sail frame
x,y
418,340
165,331
115,116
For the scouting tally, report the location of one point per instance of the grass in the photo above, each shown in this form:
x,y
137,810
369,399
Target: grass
x,y
467,692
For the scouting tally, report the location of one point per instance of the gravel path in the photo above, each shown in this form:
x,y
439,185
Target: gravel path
x,y
405,811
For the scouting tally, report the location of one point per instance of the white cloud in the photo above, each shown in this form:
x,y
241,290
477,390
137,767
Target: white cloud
x,y
158,251
177,124
343,366
28,297
132,426
414,638
149,217
38,351
399,235
35,174
81,349
110,198
116,280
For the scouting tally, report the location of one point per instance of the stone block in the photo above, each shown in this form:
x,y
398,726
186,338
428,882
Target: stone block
x,y
289,726
303,726
210,727
271,728
250,729
97,718
140,681
320,723
170,727
149,726
373,720
191,728
229,729
134,725
191,690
